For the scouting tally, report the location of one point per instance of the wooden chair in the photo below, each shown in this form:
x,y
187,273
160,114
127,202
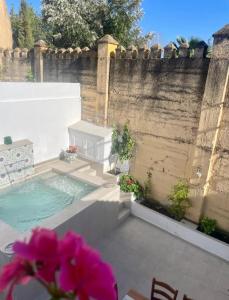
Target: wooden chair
x,y
133,294
186,298
161,290
116,289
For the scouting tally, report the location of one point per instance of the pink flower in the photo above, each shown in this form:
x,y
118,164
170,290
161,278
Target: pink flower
x,y
62,266
16,272
70,245
88,276
42,249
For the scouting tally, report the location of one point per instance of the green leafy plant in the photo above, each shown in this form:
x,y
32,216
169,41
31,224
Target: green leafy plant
x,y
8,140
208,225
122,144
179,200
129,184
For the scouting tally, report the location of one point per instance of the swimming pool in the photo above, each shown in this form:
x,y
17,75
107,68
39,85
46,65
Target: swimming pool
x,y
25,205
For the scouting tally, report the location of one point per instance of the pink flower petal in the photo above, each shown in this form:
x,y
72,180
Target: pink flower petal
x,y
70,244
13,273
88,276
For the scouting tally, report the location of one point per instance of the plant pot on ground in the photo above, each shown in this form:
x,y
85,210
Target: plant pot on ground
x,y
70,154
130,185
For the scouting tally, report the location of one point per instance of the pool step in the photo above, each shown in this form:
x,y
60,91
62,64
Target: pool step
x,y
85,168
65,167
88,171
89,178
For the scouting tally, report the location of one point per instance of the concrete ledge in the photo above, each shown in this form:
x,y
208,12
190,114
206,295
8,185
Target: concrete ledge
x,y
180,230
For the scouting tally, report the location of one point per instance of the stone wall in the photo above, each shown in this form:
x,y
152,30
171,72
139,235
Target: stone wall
x,y
209,176
217,201
161,98
16,65
80,66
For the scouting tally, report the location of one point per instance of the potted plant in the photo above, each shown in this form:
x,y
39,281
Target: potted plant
x,y
130,185
122,149
71,153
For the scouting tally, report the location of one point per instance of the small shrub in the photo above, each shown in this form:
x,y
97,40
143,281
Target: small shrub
x,y
179,200
208,225
128,184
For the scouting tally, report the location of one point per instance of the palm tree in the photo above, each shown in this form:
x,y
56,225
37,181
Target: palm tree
x,y
193,41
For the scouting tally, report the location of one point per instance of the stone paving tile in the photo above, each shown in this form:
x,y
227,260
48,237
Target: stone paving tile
x,y
139,251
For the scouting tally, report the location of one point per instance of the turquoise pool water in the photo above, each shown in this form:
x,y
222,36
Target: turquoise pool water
x,y
26,205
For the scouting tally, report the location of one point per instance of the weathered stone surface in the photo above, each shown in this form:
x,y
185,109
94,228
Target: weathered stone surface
x,y
82,70
162,100
15,65
108,39
221,43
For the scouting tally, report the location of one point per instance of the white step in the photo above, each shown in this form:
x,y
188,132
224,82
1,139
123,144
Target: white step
x,y
89,171
90,178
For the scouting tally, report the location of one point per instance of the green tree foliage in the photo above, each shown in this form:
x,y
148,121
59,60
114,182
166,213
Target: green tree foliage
x,y
73,23
27,26
121,20
82,22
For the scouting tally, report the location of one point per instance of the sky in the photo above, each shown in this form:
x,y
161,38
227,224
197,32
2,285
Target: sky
x,y
171,18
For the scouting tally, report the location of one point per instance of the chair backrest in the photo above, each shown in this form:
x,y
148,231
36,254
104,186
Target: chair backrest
x,y
116,289
162,291
186,298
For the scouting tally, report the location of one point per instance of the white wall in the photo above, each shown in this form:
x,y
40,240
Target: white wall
x,y
40,112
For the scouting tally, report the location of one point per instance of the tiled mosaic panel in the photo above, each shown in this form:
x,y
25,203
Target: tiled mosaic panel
x,y
16,164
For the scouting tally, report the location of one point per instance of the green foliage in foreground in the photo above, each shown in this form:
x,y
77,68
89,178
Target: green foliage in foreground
x,y
179,200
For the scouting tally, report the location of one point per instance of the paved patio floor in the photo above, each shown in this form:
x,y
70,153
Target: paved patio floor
x,y
139,251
